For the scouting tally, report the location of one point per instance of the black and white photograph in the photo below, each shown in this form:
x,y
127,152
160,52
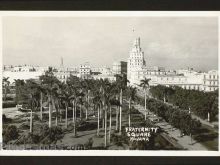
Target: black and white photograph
x,y
110,83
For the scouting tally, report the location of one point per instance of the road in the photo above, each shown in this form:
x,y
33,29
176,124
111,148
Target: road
x,y
12,112
174,133
204,122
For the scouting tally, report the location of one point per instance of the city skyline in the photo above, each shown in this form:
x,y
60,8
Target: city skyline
x,y
176,43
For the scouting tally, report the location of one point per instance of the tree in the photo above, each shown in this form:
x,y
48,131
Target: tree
x,y
20,91
33,99
121,81
131,93
49,83
98,102
5,83
75,94
87,86
145,85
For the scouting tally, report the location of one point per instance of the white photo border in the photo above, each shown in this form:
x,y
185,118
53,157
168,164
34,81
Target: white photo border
x,y
103,14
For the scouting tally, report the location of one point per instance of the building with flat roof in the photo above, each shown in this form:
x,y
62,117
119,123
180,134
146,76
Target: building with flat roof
x,y
85,71
185,78
119,67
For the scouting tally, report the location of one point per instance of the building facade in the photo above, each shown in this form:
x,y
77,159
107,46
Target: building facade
x,y
184,78
85,71
136,59
119,67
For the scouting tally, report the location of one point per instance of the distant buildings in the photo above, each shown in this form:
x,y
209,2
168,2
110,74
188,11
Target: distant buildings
x,y
187,79
24,72
135,68
85,71
119,67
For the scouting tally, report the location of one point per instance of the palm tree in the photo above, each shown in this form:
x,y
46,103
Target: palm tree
x,y
42,93
108,101
49,83
75,95
122,83
87,85
97,102
32,99
19,87
64,97
145,85
131,95
5,84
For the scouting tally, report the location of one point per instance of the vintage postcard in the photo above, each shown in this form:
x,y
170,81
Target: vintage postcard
x,y
109,83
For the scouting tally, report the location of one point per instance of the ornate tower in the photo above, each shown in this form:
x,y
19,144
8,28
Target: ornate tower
x,y
136,59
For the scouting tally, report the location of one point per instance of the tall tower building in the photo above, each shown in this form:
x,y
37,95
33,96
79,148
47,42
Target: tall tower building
x,y
136,59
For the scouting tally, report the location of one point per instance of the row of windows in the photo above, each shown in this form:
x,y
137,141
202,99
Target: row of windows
x,y
193,87
211,82
211,76
210,88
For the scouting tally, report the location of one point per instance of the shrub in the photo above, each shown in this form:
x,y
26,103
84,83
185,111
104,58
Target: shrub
x,y
10,133
35,117
89,143
5,119
85,126
9,104
50,135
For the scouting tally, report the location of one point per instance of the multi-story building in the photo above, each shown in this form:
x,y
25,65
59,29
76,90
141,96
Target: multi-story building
x,y
85,71
210,80
187,79
62,75
111,78
136,59
22,75
119,67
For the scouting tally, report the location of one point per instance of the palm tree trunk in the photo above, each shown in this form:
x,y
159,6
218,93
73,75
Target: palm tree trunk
x,y
208,117
74,124
60,115
116,124
87,106
73,111
98,121
80,111
56,120
106,127
103,116
129,115
66,122
120,123
110,123
41,106
31,121
50,112
145,104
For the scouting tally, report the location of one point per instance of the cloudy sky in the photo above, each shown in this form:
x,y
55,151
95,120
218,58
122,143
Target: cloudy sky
x,y
173,42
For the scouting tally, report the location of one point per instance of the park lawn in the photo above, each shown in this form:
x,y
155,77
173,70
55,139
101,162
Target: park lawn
x,y
207,137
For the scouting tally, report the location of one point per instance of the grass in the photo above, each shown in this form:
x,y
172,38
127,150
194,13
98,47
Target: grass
x,y
207,137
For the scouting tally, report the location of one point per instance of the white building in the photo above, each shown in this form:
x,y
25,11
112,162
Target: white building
x,y
111,78
22,75
210,80
136,59
85,71
187,79
62,75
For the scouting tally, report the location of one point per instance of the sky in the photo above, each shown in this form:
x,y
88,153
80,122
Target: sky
x,y
171,42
